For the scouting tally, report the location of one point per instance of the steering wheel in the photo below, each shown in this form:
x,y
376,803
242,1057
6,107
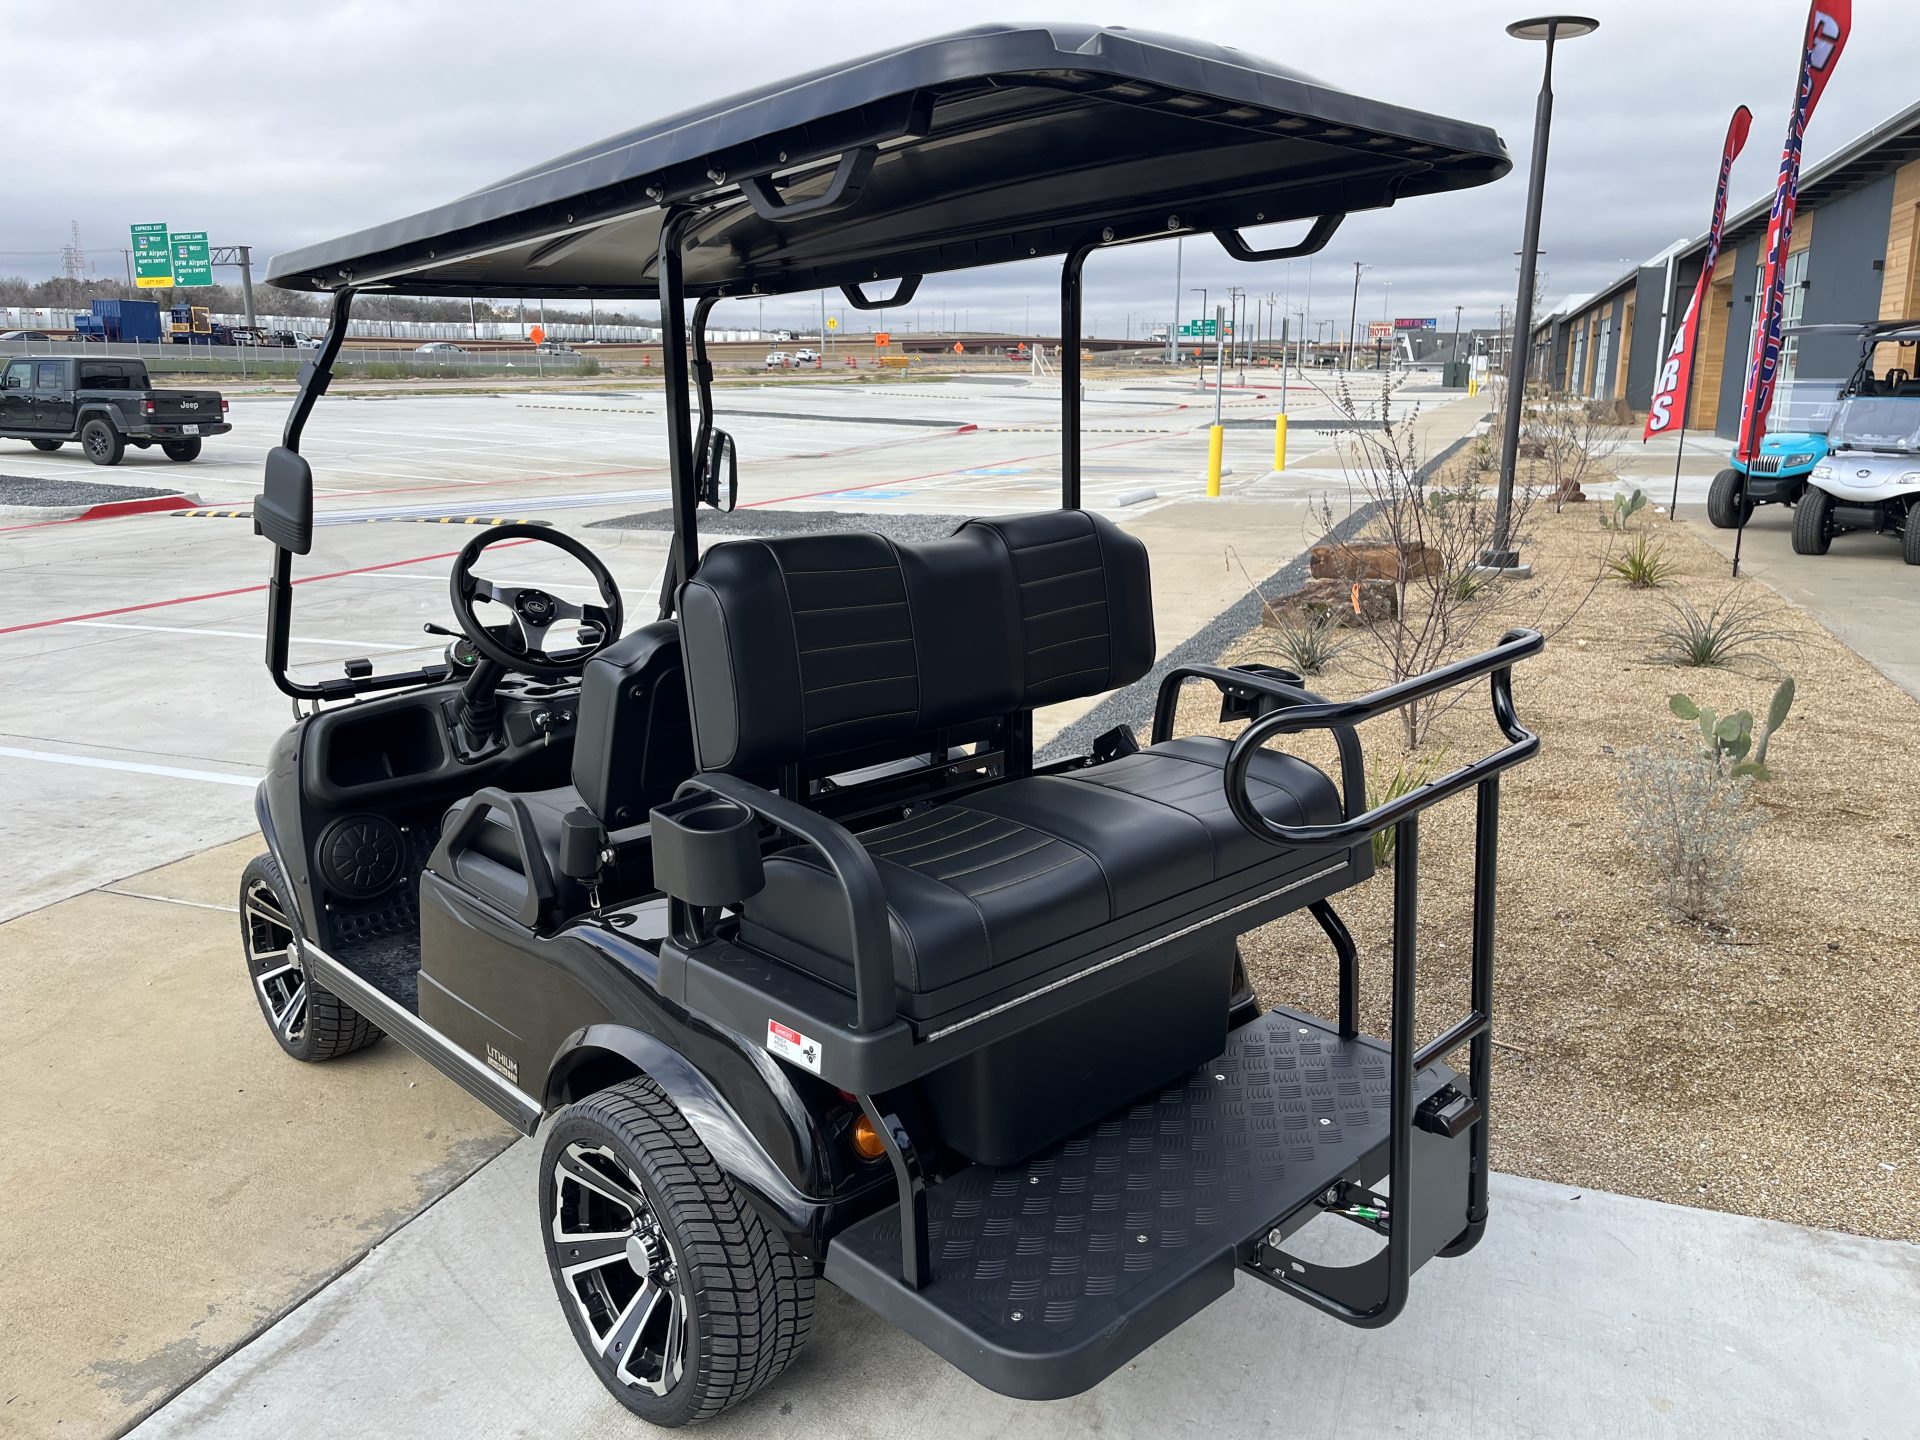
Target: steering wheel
x,y
534,611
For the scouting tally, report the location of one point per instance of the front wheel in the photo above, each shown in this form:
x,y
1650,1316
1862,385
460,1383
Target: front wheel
x,y
104,444
310,1023
1727,505
1910,535
1813,522
681,1299
182,450
47,445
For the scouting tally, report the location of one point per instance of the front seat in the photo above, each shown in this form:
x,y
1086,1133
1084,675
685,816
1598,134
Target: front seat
x,y
633,745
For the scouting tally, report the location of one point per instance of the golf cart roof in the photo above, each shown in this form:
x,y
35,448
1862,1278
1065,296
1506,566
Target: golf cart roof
x,y
987,145
1873,332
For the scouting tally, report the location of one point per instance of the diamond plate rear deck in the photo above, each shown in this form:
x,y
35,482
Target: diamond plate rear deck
x,y
1049,1275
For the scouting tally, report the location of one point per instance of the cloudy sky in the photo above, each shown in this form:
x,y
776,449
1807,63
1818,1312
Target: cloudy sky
x,y
280,124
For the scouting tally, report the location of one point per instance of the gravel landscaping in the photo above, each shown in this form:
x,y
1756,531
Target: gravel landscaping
x,y
38,491
1766,1064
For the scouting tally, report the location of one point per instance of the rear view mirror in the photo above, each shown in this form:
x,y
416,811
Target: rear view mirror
x,y
283,512
720,450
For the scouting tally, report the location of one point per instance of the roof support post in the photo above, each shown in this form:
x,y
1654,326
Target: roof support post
x,y
685,551
1070,373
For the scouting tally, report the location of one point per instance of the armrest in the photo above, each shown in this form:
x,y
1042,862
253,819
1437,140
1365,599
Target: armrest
x,y
1353,772
859,880
1497,663
526,895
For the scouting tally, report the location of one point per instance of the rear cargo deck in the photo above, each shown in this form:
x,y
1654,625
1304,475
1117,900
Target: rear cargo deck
x,y
1049,1275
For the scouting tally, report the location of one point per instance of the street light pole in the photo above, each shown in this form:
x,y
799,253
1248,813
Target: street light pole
x,y
1501,555
1201,291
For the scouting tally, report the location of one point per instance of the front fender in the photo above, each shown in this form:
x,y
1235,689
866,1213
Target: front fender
x,y
726,1137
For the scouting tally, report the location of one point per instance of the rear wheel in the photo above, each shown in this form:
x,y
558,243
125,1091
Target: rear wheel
x,y
182,450
1910,535
48,445
681,1299
104,444
1813,522
1727,507
310,1023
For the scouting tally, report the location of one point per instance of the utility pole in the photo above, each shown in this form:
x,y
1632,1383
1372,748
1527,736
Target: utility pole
x,y
1353,313
1173,331
1456,332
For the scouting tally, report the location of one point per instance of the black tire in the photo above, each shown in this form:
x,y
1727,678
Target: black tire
x,y
1724,510
103,444
182,450
1910,535
744,1300
48,445
1813,522
308,1022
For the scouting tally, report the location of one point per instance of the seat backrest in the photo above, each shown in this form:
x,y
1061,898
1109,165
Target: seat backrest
x,y
819,645
634,743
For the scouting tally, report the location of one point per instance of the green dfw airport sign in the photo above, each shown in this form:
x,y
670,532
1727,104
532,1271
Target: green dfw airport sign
x,y
161,259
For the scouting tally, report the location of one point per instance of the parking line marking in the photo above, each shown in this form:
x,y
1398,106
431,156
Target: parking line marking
x,y
170,772
246,635
238,590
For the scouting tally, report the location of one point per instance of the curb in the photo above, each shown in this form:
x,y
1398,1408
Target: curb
x,y
31,516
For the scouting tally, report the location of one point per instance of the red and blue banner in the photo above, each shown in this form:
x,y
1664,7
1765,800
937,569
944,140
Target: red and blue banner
x,y
1669,408
1827,25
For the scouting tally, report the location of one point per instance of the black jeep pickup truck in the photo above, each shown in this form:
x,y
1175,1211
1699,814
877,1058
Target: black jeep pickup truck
x,y
106,405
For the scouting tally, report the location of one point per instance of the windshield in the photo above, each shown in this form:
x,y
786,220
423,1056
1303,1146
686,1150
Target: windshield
x,y
1877,422
1804,407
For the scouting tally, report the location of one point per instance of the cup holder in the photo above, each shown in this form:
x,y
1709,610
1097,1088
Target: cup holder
x,y
706,850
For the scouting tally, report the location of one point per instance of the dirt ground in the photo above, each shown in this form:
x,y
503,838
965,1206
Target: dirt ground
x,y
1767,1067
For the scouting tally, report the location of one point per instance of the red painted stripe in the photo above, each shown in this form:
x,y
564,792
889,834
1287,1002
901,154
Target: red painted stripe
x,y
240,590
111,508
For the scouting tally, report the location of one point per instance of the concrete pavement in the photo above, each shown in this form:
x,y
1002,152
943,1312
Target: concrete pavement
x,y
1579,1315
169,1180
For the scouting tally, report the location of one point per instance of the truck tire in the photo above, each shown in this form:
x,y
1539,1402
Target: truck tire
x,y
1813,522
104,444
182,450
1910,535
682,1300
1724,511
48,445
310,1023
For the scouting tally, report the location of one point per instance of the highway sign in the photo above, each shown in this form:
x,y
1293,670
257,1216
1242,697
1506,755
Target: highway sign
x,y
833,322
192,261
883,339
152,261
1200,327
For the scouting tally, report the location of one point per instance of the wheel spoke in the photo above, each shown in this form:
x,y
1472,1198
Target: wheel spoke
x,y
571,1166
266,977
262,906
623,1342
581,1253
290,1017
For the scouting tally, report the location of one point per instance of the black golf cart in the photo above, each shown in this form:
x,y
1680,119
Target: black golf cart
x,y
769,898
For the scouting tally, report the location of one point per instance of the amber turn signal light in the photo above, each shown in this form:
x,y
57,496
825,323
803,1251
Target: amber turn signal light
x,y
866,1140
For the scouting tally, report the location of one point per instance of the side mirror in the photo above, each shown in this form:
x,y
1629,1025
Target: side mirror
x,y
284,511
15,382
720,450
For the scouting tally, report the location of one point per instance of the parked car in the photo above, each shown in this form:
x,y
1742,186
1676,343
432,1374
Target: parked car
x,y
106,405
439,347
778,360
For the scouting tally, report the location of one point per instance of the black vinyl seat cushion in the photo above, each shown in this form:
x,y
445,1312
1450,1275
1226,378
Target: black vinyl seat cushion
x,y
986,891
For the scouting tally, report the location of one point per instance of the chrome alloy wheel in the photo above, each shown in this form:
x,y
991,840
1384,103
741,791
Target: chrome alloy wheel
x,y
619,1268
273,959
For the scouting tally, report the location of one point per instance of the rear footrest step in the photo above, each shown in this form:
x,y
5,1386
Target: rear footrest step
x,y
1049,1275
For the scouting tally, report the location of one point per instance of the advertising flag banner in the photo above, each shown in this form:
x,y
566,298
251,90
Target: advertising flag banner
x,y
1670,385
1827,25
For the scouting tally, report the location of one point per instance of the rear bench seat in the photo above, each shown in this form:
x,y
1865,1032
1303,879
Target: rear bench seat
x,y
799,649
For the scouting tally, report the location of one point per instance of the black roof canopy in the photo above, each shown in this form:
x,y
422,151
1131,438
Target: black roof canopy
x,y
987,145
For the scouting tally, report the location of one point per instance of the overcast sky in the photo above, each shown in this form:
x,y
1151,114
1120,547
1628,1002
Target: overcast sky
x,y
279,124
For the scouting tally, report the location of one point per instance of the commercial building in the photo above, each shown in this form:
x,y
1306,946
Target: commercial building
x,y
1855,256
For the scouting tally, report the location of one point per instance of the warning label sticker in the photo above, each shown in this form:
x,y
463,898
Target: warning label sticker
x,y
790,1044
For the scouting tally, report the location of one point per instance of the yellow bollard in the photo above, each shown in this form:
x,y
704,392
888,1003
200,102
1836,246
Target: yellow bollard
x,y
1279,442
1216,440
